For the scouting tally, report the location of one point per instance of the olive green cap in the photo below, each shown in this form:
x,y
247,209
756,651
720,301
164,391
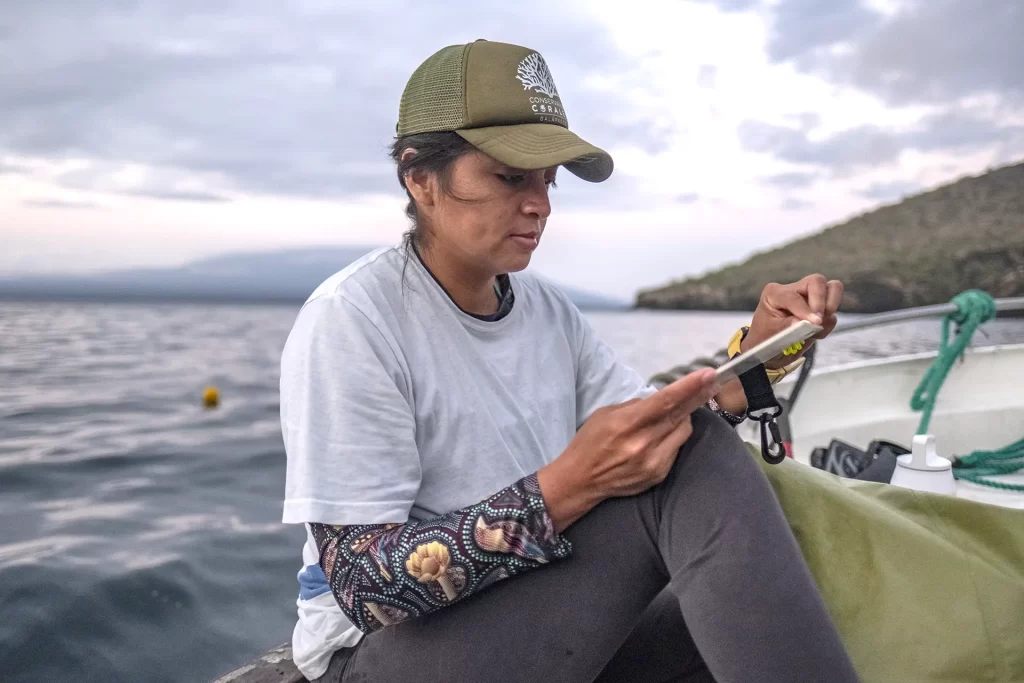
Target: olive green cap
x,y
502,99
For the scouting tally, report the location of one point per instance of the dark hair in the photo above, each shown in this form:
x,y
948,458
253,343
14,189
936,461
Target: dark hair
x,y
435,153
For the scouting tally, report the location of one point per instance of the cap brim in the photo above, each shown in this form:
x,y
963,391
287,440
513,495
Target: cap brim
x,y
541,145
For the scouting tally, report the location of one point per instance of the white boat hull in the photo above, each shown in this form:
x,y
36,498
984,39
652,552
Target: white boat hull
x,y
980,407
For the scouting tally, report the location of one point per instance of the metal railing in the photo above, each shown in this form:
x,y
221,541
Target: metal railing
x,y
1002,306
902,315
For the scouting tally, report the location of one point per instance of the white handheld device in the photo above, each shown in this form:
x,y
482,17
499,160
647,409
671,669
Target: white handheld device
x,y
766,350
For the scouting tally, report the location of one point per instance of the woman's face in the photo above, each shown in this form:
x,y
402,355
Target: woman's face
x,y
496,217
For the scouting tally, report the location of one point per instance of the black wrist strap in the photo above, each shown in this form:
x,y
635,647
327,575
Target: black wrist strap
x,y
764,407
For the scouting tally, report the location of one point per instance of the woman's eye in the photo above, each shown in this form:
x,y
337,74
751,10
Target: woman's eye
x,y
520,178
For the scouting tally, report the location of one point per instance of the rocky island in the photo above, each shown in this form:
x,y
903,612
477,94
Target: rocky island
x,y
922,250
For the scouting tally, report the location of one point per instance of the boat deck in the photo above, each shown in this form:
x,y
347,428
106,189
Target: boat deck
x,y
275,666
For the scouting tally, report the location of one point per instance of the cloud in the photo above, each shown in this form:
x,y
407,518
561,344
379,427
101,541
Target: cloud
x,y
867,144
940,51
888,191
139,181
179,195
271,98
795,204
11,168
651,137
942,54
49,203
804,30
706,75
917,51
795,179
733,5
806,120
954,129
687,197
621,192
870,145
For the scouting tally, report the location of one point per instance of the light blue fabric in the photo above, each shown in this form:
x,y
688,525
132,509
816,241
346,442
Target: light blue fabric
x,y
312,582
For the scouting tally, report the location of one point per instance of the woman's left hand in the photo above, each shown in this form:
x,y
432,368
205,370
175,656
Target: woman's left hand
x,y
813,298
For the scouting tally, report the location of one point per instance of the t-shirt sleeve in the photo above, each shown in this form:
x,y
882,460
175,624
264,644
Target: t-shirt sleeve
x,y
346,419
602,379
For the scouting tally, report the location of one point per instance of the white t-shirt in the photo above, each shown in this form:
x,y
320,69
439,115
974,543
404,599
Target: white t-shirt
x,y
396,405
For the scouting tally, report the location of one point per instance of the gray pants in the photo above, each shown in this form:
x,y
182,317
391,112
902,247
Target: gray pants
x,y
702,563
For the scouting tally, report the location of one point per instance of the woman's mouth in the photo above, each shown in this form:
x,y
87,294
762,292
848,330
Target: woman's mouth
x,y
526,240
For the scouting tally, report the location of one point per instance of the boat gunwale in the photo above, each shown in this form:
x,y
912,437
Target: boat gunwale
x,y
1012,304
901,358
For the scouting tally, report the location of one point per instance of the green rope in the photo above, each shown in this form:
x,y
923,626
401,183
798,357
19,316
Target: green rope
x,y
980,465
974,308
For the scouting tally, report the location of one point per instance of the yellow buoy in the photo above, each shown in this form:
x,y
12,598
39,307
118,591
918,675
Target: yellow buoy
x,y
211,397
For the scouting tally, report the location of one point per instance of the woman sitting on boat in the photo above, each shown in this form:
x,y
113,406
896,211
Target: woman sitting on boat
x,y
489,494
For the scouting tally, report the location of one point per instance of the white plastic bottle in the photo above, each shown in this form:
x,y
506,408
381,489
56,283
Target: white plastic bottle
x,y
923,469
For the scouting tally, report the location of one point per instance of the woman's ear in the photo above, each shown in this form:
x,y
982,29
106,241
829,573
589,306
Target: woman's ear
x,y
420,184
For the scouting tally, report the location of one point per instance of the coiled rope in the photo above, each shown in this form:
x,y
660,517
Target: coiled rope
x,y
974,308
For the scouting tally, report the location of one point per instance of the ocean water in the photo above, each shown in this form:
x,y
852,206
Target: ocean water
x,y
139,533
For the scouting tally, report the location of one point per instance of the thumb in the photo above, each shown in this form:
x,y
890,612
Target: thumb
x,y
686,394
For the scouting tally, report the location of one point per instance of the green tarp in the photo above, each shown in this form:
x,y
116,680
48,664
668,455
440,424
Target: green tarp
x,y
924,588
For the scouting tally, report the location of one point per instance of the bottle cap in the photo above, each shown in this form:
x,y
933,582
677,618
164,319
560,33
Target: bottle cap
x,y
923,469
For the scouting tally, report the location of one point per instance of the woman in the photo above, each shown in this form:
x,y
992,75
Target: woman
x,y
489,494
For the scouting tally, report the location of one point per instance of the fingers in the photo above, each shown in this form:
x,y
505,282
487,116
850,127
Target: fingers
x,y
815,287
678,436
668,448
676,401
833,296
789,299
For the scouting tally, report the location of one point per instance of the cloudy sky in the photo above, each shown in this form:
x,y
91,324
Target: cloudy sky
x,y
154,132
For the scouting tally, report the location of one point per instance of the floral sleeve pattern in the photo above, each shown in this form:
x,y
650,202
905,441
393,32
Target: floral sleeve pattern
x,y
382,574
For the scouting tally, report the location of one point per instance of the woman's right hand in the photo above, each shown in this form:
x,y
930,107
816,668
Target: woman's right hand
x,y
624,449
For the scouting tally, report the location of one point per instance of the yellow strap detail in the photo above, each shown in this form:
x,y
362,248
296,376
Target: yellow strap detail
x,y
773,375
734,343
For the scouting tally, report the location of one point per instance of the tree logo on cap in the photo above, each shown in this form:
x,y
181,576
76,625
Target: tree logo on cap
x,y
534,74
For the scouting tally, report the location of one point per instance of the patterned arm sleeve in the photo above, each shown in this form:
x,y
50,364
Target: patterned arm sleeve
x,y
382,574
731,418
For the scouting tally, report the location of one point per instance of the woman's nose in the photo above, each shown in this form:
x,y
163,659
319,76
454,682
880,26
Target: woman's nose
x,y
537,203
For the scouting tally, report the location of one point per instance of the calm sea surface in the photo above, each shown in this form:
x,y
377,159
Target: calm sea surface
x,y
139,534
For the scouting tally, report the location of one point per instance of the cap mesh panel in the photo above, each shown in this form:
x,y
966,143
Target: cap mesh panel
x,y
433,99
